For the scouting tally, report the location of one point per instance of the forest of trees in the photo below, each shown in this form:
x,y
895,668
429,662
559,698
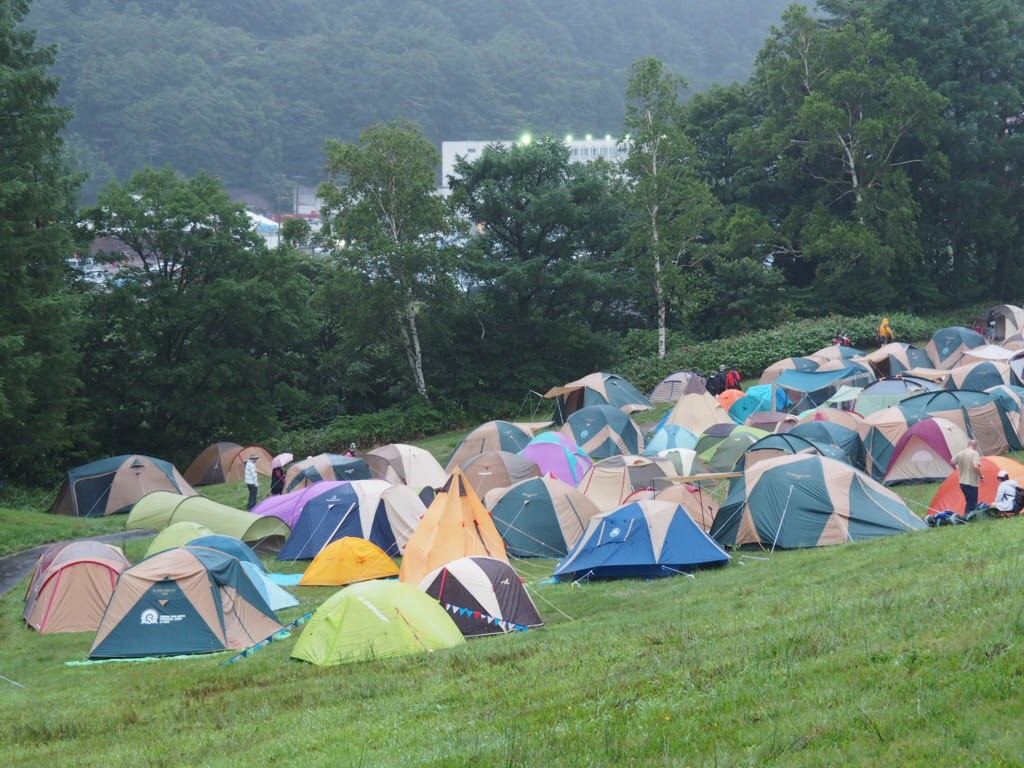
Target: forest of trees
x,y
870,162
246,90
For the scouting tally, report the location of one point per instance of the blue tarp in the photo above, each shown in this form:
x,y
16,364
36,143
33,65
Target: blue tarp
x,y
813,381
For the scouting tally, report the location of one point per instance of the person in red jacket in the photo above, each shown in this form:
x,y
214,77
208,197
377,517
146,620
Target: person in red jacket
x,y
732,379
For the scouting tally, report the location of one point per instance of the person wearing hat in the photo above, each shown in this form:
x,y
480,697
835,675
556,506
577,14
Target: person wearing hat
x,y
252,479
1006,494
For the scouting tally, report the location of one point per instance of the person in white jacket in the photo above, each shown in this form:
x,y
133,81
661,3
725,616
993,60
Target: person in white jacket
x,y
252,480
1006,494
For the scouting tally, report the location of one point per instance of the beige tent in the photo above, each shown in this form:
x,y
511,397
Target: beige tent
x,y
498,469
71,586
491,436
113,485
698,503
610,482
456,525
160,508
406,464
1009,320
697,412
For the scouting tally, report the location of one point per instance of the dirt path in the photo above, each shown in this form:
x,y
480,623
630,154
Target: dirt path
x,y
14,568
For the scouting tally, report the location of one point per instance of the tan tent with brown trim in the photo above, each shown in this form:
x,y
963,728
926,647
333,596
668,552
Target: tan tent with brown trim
x,y
71,586
225,463
181,601
456,525
498,469
698,503
610,482
407,465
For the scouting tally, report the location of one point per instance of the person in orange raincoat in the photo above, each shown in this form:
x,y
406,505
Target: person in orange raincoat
x,y
885,332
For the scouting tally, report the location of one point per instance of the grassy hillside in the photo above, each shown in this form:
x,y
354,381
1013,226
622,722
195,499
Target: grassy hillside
x,y
898,652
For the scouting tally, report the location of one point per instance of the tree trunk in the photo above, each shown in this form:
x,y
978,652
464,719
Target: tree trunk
x,y
411,343
659,289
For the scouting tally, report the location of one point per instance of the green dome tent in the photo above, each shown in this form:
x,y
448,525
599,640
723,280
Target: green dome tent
x,y
160,509
376,620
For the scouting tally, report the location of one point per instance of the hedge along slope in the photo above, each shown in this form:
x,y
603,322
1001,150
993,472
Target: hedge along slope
x,y
753,352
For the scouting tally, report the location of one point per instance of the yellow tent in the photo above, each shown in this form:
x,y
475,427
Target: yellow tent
x,y
456,525
346,561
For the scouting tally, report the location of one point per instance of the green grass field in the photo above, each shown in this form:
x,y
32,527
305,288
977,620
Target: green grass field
x,y
901,651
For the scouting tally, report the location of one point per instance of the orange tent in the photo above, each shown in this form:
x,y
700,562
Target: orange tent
x,y
456,525
949,495
347,561
730,396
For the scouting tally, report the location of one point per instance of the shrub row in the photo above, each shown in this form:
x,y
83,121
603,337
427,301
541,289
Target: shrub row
x,y
398,424
753,352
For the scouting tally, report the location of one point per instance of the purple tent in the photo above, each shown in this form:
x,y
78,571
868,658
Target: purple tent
x,y
558,455
289,506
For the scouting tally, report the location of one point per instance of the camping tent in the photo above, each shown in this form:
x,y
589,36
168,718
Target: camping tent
x,y
677,384
1009,320
185,600
949,344
925,452
484,596
758,399
808,501
785,444
668,437
176,535
879,434
979,376
347,561
407,465
71,586
597,389
699,504
697,413
455,525
491,436
610,482
604,431
325,466
161,508
540,517
375,620
728,398
229,545
720,454
812,388
557,454
373,510
225,463
643,539
685,461
849,419
289,506
949,495
773,371
830,433
774,421
981,415
109,486
277,597
894,358
497,469
885,393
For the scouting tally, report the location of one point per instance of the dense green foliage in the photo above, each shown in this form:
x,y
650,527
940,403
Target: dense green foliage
x,y
38,377
851,174
247,91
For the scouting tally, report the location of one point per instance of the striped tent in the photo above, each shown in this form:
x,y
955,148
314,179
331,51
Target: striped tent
x,y
597,389
879,434
895,358
785,444
603,431
982,416
540,517
225,463
407,465
325,466
677,384
497,469
830,433
979,376
949,344
808,501
490,436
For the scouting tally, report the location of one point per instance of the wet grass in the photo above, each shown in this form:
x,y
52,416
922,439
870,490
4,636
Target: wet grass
x,y
902,651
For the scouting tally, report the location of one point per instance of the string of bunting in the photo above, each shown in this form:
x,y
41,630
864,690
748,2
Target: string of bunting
x,y
279,635
507,626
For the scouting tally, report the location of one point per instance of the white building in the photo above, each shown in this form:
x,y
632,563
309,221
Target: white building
x,y
583,150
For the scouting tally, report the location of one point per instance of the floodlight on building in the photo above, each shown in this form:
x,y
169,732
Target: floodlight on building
x,y
589,137
526,139
568,137
607,137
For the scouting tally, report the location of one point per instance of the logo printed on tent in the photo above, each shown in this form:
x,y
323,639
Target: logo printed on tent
x,y
149,616
377,612
615,532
